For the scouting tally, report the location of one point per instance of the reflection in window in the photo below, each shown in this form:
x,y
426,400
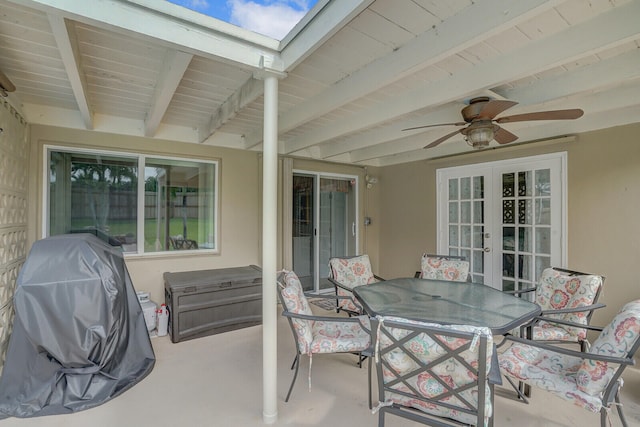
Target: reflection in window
x,y
99,193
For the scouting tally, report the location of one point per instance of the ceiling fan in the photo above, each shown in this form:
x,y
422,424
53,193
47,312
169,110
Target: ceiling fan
x,y
481,126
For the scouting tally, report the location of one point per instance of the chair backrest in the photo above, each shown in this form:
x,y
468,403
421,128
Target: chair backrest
x,y
559,288
438,369
293,300
351,271
620,338
445,267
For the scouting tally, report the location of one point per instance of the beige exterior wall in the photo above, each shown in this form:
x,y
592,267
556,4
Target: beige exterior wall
x,y
603,205
239,197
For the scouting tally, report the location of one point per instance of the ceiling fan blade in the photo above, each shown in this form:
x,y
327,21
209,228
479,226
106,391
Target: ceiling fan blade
x,y
439,124
503,136
493,108
442,139
575,113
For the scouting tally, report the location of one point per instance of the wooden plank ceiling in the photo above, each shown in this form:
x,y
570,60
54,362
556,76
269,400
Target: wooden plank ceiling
x,y
355,73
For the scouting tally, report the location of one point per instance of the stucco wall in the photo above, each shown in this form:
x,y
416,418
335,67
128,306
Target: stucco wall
x,y
239,192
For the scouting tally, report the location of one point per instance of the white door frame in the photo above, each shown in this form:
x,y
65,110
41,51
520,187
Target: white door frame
x,y
491,170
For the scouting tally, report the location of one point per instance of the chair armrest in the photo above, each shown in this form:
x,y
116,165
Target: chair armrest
x,y
520,291
332,297
573,310
354,319
339,285
563,322
574,353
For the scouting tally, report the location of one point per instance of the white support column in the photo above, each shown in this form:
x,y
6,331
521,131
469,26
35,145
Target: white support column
x,y
269,250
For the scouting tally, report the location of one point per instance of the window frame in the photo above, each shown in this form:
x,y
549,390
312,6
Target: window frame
x,y
141,158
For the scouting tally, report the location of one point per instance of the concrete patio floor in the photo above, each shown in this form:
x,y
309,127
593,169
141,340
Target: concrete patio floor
x,y
217,381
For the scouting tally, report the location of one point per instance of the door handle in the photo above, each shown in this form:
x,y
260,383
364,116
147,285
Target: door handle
x,y
487,249
353,228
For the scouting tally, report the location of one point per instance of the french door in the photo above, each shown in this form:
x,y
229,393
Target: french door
x,y
324,224
507,218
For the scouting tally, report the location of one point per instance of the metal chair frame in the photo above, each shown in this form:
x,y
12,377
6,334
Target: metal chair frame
x,y
296,361
611,394
437,334
337,285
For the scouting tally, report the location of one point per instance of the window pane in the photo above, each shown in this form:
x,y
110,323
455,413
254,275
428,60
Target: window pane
x,y
179,205
453,189
465,188
95,193
98,193
465,212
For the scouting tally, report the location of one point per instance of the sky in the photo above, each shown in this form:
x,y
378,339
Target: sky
x,y
272,18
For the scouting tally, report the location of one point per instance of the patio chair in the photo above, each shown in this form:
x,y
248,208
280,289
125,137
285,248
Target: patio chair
x,y
346,273
320,334
433,374
444,267
568,299
590,379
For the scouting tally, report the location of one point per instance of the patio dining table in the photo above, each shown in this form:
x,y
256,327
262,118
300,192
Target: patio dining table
x,y
446,302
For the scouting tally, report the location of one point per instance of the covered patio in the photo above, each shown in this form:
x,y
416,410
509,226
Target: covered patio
x,y
178,392
132,81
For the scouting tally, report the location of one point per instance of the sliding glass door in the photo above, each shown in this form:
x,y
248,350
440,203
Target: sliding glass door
x,y
324,224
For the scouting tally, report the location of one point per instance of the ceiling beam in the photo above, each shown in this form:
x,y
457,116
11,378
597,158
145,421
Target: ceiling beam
x,y
128,17
364,146
70,55
481,21
251,90
379,135
173,69
601,74
319,28
616,27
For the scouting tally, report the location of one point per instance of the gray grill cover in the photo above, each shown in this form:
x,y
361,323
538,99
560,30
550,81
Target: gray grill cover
x,y
79,336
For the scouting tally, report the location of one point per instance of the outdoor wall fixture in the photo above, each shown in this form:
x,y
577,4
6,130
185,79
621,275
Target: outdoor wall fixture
x,y
5,85
370,180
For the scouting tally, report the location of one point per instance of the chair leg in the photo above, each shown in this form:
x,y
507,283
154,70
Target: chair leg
x,y
295,359
369,382
620,413
296,362
518,389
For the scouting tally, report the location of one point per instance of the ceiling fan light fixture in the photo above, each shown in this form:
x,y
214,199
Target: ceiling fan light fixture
x,y
479,137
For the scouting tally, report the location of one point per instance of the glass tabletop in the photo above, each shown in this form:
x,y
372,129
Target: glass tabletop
x,y
446,302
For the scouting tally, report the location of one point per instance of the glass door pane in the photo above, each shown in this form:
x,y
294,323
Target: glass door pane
x,y
466,227
304,229
530,236
337,223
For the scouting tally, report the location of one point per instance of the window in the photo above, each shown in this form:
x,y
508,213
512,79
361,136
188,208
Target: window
x,y
171,206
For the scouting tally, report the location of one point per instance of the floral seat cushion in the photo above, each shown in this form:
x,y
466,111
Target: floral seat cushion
x,y
576,379
398,362
316,336
553,372
350,273
558,290
436,268
616,340
297,303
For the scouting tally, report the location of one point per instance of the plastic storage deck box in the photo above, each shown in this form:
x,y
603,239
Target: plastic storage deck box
x,y
208,302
